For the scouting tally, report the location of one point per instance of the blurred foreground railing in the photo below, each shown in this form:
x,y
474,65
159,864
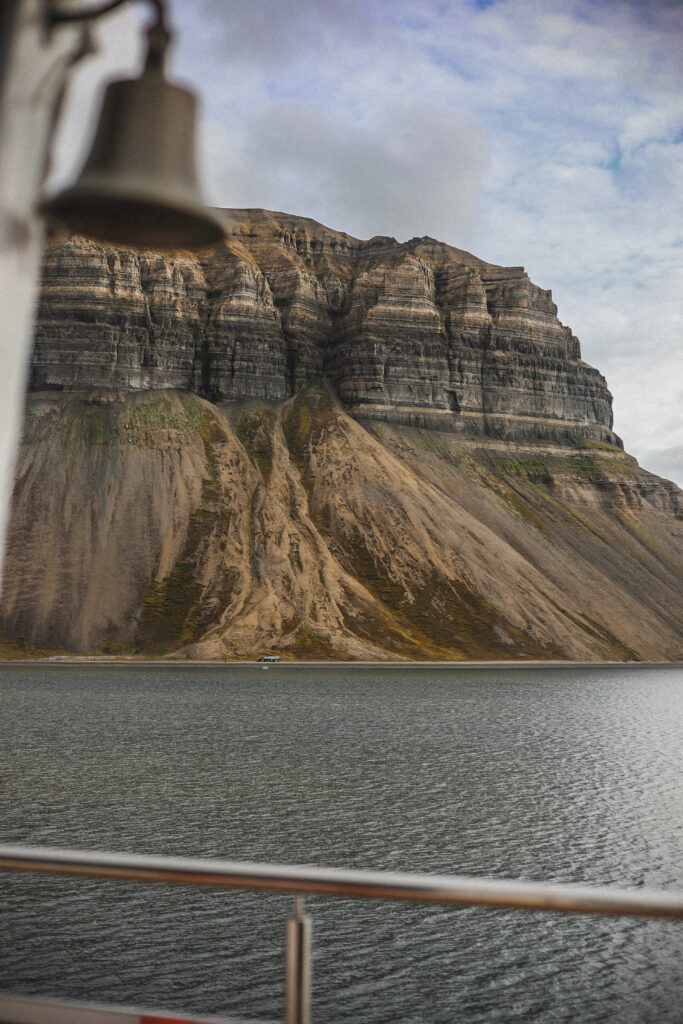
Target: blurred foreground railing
x,y
380,885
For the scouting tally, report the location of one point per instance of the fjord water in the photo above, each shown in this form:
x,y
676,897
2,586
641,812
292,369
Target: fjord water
x,y
566,774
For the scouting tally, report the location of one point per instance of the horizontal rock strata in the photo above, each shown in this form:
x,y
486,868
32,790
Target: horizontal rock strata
x,y
416,333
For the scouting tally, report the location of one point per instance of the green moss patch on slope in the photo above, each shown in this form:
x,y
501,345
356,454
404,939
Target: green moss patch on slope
x,y
583,518
17,648
303,423
255,431
373,621
311,646
528,485
441,618
434,616
174,611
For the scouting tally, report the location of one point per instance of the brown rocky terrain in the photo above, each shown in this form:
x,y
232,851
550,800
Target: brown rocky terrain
x,y
329,448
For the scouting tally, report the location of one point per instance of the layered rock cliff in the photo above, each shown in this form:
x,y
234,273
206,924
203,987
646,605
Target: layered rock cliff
x,y
417,333
328,448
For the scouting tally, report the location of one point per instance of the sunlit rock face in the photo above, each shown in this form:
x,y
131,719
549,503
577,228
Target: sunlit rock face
x,y
417,333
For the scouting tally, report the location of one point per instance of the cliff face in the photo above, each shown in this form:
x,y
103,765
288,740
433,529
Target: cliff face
x,y
328,448
416,333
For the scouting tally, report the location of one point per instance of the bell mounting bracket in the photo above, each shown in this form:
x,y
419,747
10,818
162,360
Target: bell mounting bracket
x,y
158,34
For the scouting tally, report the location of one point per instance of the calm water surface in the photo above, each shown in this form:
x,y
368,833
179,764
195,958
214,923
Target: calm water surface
x,y
550,774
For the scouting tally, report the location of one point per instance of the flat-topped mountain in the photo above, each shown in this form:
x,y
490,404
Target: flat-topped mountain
x,y
417,332
326,447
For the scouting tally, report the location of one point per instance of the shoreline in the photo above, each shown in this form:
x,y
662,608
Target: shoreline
x,y
88,662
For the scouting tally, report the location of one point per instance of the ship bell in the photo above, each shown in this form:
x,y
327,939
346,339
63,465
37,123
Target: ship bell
x,y
138,187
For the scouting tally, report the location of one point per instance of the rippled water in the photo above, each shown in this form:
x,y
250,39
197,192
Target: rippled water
x,y
571,775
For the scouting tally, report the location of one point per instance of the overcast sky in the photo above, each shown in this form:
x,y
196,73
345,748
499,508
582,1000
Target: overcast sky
x,y
547,133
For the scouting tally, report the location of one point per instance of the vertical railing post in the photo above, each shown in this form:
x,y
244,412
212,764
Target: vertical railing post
x,y
298,987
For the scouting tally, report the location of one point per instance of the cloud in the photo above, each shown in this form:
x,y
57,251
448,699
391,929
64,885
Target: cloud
x,y
415,167
543,133
274,35
666,461
547,134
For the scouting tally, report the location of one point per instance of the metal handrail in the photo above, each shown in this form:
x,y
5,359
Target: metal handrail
x,y
381,885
